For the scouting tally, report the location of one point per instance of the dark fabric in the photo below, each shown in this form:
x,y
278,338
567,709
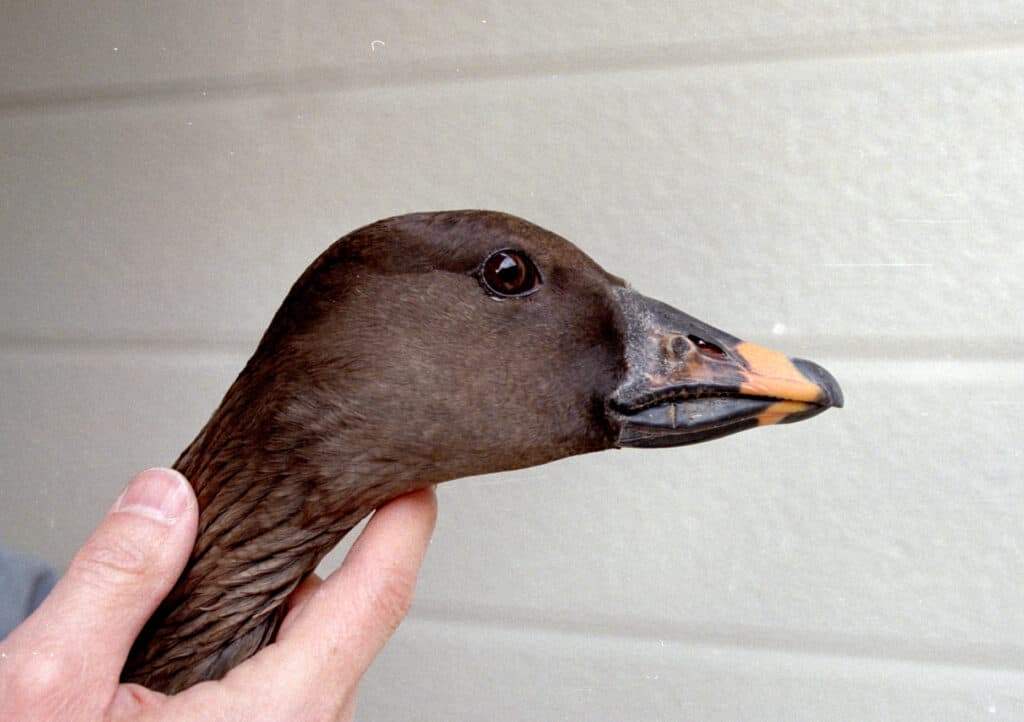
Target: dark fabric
x,y
24,583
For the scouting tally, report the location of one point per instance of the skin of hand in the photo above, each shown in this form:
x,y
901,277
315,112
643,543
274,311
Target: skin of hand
x,y
63,662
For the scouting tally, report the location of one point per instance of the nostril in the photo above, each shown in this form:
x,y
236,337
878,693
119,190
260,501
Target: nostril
x,y
680,346
706,347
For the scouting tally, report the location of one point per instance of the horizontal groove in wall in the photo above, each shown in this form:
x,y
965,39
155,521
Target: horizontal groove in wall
x,y
919,652
447,70
874,348
114,349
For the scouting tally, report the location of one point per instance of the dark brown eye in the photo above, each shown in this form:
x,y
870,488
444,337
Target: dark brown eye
x,y
707,347
510,273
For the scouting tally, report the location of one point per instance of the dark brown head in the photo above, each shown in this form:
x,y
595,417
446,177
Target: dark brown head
x,y
423,348
438,345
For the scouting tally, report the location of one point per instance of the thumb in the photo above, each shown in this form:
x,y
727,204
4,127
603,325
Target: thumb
x,y
120,575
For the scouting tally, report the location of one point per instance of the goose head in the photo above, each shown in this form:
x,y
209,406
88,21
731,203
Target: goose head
x,y
424,348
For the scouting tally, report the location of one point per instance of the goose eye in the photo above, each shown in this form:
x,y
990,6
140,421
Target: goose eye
x,y
510,273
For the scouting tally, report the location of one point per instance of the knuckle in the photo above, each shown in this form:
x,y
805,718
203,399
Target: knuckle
x,y
391,595
39,682
110,559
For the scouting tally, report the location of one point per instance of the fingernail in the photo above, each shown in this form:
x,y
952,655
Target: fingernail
x,y
159,494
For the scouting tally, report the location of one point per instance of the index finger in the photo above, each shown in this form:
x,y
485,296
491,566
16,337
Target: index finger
x,y
343,625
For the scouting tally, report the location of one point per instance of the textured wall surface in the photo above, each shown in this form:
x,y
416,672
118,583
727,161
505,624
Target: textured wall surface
x,y
844,182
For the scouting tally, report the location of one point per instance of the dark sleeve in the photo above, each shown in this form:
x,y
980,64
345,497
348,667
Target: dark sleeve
x,y
24,583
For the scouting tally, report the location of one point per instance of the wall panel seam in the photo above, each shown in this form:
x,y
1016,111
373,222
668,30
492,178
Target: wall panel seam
x,y
477,68
530,624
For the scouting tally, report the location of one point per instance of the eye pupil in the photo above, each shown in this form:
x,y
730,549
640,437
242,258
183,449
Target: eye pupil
x,y
706,346
510,270
510,273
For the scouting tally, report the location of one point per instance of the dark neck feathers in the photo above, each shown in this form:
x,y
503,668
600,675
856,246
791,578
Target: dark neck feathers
x,y
275,495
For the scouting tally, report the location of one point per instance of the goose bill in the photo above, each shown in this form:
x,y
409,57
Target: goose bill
x,y
688,382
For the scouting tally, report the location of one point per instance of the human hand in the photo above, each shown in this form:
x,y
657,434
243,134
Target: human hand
x,y
64,662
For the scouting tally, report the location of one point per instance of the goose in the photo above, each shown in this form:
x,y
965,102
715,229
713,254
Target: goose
x,y
419,349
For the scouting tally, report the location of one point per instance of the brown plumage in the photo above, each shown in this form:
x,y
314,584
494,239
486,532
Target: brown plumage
x,y
400,359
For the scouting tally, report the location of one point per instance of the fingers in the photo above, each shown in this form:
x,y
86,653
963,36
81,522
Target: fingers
x,y
117,579
344,624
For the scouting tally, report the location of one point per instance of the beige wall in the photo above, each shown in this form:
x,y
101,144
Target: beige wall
x,y
843,181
